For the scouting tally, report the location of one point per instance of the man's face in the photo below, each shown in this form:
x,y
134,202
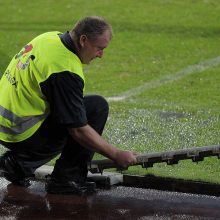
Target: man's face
x,y
91,49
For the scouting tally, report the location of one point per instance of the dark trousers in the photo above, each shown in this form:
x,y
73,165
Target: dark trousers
x,y
52,139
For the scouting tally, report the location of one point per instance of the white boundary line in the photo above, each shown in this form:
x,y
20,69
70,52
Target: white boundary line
x,y
202,66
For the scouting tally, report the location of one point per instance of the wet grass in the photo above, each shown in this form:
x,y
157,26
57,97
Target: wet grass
x,y
160,129
152,40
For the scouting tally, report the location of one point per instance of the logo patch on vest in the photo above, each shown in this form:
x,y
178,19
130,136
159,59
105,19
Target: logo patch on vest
x,y
27,48
23,65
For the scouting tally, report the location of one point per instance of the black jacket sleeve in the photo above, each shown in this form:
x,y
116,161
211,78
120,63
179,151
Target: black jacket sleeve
x,y
64,92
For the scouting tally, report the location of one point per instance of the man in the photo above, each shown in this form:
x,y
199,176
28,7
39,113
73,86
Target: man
x,y
43,111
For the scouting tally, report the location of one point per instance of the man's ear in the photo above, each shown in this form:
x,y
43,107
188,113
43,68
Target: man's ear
x,y
82,40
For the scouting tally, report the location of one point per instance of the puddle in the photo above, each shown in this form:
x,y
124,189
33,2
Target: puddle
x,y
117,203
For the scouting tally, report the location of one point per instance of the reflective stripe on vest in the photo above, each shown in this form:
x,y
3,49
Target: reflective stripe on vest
x,y
22,123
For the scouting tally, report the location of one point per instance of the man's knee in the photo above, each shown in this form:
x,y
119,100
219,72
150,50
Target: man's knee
x,y
96,103
96,111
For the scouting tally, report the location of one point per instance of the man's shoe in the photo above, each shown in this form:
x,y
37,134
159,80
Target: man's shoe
x,y
54,186
11,170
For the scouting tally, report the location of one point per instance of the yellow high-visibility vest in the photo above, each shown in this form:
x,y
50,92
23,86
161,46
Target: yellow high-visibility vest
x,y
23,106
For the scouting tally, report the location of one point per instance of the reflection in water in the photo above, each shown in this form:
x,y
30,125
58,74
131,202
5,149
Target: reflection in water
x,y
26,203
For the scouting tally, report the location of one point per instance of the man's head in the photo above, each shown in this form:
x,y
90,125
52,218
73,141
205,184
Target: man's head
x,y
91,36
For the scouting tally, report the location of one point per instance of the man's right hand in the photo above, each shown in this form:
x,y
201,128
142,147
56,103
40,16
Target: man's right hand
x,y
125,158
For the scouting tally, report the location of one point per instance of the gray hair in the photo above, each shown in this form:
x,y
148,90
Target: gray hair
x,y
92,27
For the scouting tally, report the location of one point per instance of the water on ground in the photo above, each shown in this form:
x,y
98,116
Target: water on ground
x,y
117,203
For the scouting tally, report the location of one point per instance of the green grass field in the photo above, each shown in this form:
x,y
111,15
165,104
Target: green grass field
x,y
163,63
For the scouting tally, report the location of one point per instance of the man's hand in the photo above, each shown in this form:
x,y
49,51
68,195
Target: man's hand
x,y
125,158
